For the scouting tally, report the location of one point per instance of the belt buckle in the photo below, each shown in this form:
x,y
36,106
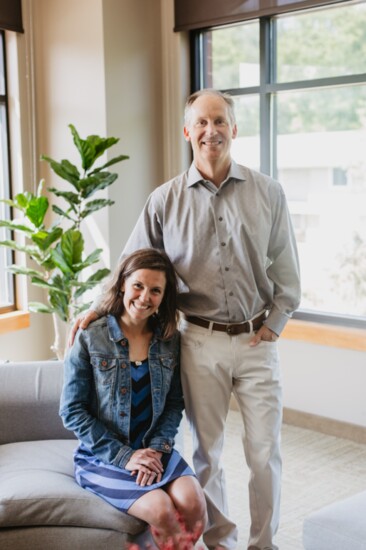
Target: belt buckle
x,y
234,330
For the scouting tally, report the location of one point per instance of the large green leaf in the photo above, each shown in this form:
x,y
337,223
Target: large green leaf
x,y
95,205
9,202
68,252
91,259
85,149
65,170
69,196
91,282
44,238
81,307
100,145
97,182
60,304
22,199
72,244
62,213
109,163
28,249
14,225
38,307
36,210
92,147
21,270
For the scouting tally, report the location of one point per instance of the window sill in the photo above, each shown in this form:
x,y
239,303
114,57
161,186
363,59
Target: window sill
x,y
325,335
14,320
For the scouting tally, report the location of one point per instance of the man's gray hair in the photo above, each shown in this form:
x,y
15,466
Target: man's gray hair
x,y
210,91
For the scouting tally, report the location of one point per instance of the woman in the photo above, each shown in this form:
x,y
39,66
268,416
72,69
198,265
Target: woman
x,y
122,398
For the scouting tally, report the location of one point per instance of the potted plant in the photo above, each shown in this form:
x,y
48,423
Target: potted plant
x,y
58,249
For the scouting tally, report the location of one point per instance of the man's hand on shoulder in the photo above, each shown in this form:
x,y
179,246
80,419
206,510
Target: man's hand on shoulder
x,y
82,322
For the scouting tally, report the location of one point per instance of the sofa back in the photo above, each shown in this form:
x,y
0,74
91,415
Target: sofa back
x,y
29,401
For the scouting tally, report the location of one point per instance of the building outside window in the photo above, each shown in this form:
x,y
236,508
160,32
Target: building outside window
x,y
299,85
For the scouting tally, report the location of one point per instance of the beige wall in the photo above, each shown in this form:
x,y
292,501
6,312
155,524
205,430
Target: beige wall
x,y
96,64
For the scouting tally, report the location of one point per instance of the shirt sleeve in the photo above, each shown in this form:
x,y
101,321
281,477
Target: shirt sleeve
x,y
148,231
284,269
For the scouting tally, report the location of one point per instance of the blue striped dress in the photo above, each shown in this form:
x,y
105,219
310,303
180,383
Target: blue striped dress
x,y
116,485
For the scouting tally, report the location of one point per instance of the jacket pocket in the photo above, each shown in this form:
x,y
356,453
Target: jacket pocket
x,y
104,369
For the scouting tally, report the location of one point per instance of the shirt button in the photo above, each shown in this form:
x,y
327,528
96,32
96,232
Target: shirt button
x,y
166,447
220,219
123,366
223,244
104,363
123,343
231,293
226,269
123,414
123,390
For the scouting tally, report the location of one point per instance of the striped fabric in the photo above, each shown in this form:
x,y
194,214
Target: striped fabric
x,y
141,405
116,485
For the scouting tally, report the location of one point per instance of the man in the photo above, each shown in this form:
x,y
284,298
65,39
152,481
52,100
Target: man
x,y
228,232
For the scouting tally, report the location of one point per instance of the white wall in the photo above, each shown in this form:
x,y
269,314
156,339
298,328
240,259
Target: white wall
x,y
324,380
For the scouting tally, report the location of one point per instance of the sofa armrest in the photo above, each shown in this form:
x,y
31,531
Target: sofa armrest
x,y
29,401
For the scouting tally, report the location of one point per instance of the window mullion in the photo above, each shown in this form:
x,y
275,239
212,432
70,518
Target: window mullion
x,y
266,142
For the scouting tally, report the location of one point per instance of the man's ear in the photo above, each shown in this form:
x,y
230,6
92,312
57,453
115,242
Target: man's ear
x,y
235,131
186,134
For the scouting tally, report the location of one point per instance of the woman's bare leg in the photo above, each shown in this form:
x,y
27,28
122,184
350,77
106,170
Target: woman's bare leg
x,y
189,501
158,510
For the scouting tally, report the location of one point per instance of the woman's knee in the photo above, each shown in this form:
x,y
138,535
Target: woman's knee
x,y
189,501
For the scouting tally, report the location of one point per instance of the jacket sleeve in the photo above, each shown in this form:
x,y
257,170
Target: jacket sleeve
x,y
78,396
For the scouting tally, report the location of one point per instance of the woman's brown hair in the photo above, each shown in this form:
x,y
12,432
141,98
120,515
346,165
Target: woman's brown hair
x,y
145,258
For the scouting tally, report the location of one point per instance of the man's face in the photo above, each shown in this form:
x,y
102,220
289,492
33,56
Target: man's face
x,y
210,130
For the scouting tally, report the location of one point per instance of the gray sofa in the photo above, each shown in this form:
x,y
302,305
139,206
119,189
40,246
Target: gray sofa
x,y
338,526
41,506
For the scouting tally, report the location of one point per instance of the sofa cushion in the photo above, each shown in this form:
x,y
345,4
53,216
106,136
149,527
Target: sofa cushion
x,y
339,526
37,487
29,401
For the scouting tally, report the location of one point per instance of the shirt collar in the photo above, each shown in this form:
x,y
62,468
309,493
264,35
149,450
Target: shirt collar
x,y
236,172
114,330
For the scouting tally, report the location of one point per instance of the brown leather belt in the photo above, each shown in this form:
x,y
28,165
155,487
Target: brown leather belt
x,y
231,329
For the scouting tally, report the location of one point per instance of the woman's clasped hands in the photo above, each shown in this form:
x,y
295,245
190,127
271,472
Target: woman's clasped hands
x,y
146,465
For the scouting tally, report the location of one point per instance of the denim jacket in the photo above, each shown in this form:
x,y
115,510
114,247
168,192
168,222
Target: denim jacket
x,y
96,396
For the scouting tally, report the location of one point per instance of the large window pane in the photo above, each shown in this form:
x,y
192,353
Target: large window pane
x,y
321,43
321,161
246,147
235,56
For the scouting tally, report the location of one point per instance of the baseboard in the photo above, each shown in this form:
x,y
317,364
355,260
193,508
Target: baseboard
x,y
321,424
324,425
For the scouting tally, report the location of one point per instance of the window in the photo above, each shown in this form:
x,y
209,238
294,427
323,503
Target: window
x,y
299,84
6,279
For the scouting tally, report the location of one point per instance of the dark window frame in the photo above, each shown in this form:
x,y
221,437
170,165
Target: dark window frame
x,y
4,102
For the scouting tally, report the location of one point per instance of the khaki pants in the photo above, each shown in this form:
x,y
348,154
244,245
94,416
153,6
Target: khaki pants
x,y
214,365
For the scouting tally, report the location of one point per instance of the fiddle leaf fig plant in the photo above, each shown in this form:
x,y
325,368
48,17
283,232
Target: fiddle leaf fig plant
x,y
59,251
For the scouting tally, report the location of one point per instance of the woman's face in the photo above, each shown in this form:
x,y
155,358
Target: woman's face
x,y
143,294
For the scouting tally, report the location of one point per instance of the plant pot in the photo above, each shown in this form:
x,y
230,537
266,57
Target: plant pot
x,y
62,330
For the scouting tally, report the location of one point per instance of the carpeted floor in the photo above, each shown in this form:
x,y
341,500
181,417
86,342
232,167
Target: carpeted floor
x,y
317,470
